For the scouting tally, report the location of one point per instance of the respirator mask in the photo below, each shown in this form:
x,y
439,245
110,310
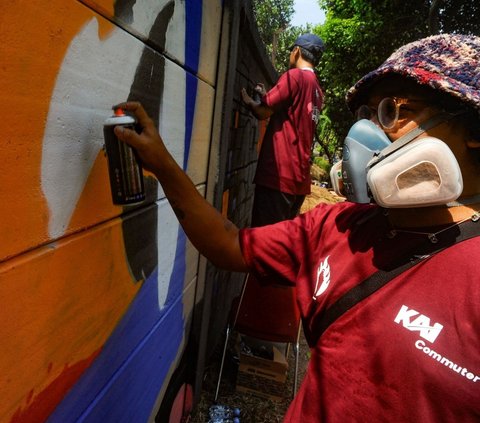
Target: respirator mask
x,y
407,173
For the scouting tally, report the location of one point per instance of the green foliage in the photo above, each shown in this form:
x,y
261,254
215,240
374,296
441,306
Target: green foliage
x,y
273,18
322,163
456,16
359,36
285,41
325,138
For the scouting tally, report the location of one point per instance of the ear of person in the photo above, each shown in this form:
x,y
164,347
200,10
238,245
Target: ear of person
x,y
472,143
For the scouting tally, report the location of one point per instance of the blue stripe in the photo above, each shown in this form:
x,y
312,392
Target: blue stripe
x,y
193,30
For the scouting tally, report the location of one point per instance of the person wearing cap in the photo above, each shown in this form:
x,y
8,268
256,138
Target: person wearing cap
x,y
408,350
282,178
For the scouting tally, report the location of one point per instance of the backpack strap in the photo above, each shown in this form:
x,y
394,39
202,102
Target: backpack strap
x,y
373,283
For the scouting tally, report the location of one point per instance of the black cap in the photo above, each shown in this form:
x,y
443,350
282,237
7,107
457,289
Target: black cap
x,y
310,42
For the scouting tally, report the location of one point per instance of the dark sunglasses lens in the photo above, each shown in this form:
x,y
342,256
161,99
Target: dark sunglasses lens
x,y
387,113
363,112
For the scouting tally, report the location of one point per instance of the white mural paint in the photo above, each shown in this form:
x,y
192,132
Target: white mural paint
x,y
79,105
74,130
145,15
172,128
167,231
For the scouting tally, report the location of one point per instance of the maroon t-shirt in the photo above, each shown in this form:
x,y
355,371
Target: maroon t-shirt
x,y
284,161
410,352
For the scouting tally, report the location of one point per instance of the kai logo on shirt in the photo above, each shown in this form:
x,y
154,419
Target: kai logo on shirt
x,y
323,278
414,321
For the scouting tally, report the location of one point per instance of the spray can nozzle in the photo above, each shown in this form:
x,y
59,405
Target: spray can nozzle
x,y
118,112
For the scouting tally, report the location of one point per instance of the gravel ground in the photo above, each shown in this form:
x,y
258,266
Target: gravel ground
x,y
253,409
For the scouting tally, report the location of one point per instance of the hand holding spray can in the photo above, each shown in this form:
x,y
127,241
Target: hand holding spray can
x,y
125,171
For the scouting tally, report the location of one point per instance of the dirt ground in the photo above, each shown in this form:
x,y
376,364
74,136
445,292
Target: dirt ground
x,y
255,409
319,195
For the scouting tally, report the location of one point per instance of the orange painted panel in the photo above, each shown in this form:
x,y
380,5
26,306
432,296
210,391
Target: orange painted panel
x,y
63,291
34,40
59,305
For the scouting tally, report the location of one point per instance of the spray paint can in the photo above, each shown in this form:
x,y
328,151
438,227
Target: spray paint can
x,y
125,171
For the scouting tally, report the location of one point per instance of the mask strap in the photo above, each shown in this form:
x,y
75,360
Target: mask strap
x,y
410,136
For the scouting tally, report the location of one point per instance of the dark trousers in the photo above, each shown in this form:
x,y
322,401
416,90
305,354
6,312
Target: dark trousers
x,y
272,206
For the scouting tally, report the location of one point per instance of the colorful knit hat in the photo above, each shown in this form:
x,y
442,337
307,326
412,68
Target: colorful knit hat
x,y
449,63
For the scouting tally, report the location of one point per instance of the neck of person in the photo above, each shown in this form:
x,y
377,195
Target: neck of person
x,y
303,64
432,216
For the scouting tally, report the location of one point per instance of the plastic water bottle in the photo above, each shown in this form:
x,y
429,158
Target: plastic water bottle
x,y
224,414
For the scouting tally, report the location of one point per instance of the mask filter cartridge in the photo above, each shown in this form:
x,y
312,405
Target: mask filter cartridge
x,y
363,140
423,173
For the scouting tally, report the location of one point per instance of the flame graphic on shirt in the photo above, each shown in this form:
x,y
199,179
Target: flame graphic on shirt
x,y
323,271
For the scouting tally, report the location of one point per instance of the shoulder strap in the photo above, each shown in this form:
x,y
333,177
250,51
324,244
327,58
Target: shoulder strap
x,y
380,278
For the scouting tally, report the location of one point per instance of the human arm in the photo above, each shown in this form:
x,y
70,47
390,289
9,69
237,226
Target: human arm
x,y
214,236
259,109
